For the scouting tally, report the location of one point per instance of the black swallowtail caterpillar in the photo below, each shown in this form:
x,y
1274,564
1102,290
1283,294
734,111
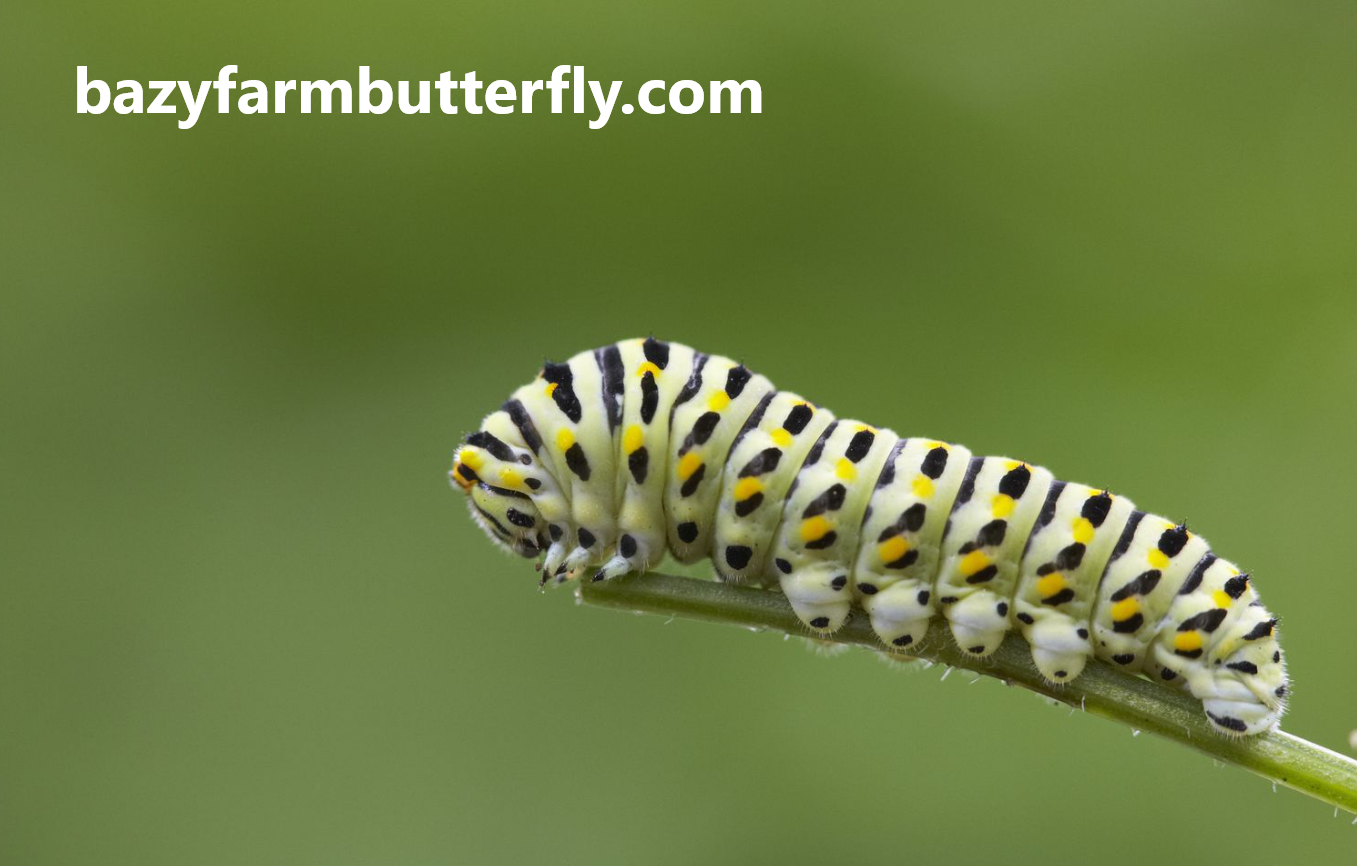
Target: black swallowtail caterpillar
x,y
607,459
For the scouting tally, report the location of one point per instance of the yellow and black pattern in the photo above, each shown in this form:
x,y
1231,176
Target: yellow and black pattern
x,y
761,468
707,415
608,461
995,510
822,514
1150,564
653,374
901,537
1061,569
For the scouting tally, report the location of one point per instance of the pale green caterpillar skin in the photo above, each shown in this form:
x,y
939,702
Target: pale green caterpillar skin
x,y
607,461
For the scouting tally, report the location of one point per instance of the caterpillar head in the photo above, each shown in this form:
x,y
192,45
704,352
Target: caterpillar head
x,y
497,479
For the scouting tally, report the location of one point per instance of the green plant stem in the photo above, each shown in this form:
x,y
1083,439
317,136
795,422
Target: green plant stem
x,y
1102,689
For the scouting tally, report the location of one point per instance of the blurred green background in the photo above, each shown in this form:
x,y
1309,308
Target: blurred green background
x,y
243,619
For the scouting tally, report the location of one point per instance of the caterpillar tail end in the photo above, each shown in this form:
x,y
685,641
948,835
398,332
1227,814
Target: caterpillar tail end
x,y
1232,708
1241,718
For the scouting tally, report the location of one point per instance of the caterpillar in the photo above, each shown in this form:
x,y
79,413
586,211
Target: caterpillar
x,y
609,460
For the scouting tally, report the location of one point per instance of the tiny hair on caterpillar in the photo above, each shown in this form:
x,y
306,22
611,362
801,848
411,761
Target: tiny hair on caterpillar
x,y
607,461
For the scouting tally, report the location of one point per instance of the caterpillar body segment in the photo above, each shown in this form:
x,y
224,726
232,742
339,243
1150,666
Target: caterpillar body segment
x,y
579,454
653,374
817,543
1148,568
761,468
709,412
995,510
900,545
607,461
1061,568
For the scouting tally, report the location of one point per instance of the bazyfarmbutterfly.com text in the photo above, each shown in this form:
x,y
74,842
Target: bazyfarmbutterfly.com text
x,y
566,89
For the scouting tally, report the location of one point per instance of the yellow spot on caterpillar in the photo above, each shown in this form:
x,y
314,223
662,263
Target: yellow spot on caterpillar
x,y
923,487
551,389
814,528
1001,505
634,438
1158,558
564,439
943,445
973,562
866,427
650,368
688,465
471,457
747,487
893,548
718,401
1188,641
510,478
1050,584
1221,598
1125,609
1011,465
845,469
782,437
1083,530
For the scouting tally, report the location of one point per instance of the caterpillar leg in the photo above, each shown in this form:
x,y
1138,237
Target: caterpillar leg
x,y
616,567
633,555
900,613
576,560
1060,649
818,593
979,622
554,561
640,542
